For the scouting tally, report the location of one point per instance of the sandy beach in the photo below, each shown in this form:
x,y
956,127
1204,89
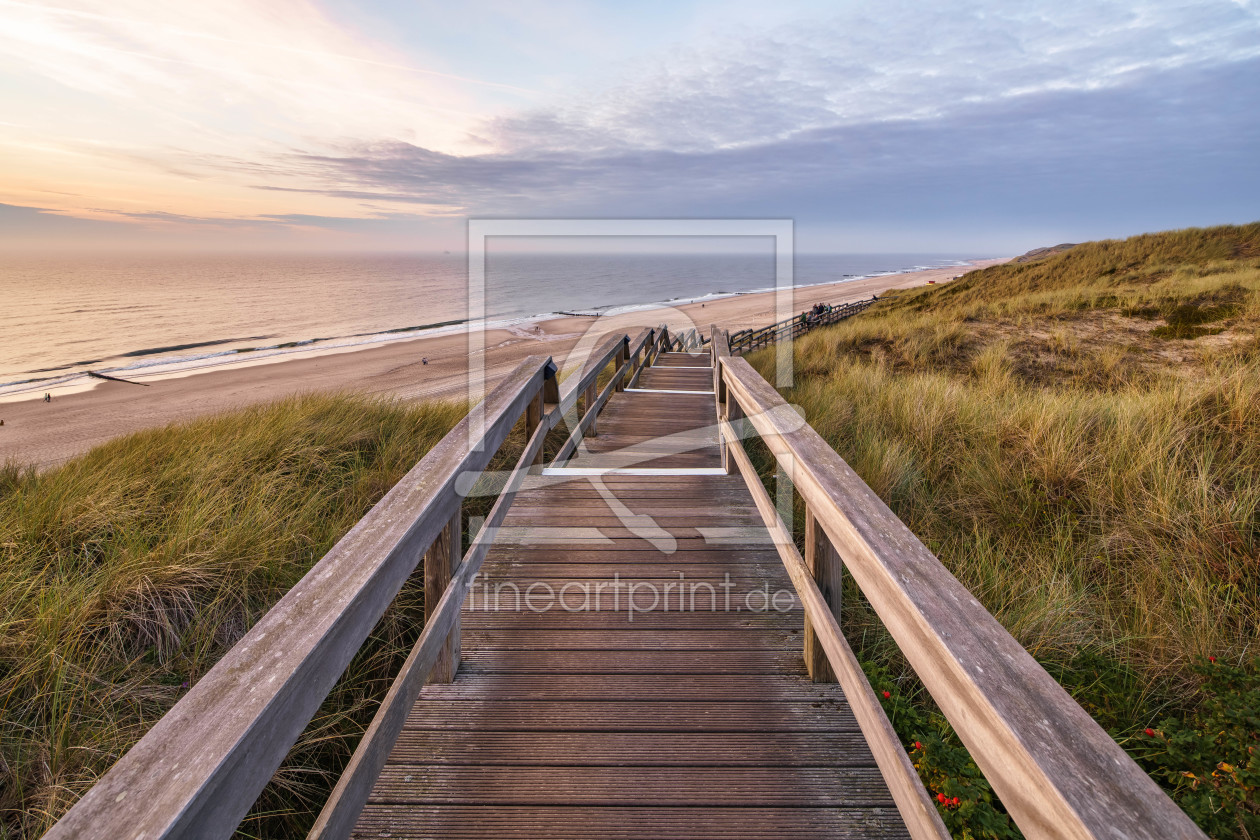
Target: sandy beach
x,y
45,434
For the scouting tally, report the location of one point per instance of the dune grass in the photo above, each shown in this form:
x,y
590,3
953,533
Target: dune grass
x,y
1078,440
125,574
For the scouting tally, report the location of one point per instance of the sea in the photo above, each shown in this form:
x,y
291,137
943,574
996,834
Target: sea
x,y
154,315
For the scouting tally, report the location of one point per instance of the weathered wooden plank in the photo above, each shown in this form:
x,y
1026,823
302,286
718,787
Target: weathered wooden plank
x,y
758,688
633,661
640,823
623,539
700,619
501,570
628,716
676,379
698,486
678,525
1057,772
629,749
600,508
623,457
617,555
825,787
750,638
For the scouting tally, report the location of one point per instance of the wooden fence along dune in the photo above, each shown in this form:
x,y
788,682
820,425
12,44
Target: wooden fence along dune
x,y
519,715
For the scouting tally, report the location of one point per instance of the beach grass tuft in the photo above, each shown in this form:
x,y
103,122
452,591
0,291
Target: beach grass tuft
x,y
1078,440
125,574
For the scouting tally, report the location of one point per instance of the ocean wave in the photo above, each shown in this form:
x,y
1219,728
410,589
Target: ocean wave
x,y
150,362
157,361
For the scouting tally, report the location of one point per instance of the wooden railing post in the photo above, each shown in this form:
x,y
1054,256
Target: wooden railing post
x,y
551,385
734,416
534,416
824,563
439,563
617,364
590,410
720,344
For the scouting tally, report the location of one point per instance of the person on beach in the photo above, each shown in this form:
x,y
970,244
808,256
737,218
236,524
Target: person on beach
x,y
47,397
424,360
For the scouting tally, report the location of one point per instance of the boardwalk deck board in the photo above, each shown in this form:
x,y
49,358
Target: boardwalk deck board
x,y
621,823
690,717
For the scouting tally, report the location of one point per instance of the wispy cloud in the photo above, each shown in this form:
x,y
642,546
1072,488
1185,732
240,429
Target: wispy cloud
x,y
278,113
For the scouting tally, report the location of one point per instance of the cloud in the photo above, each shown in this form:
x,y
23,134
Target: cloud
x,y
1184,138
236,68
974,114
906,61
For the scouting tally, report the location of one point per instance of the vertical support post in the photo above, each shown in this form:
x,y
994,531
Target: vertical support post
x,y
734,416
533,417
551,385
617,363
590,410
825,564
440,562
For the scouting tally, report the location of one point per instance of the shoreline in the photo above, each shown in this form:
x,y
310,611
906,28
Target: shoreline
x,y
151,365
45,434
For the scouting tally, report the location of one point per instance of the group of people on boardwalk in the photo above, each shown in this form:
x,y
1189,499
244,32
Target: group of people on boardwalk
x,y
815,312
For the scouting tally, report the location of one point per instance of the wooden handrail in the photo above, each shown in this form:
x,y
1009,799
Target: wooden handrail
x,y
197,772
822,618
618,347
337,819
721,349
752,339
1057,772
650,341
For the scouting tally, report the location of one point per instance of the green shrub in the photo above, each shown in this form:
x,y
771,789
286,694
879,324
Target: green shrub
x,y
963,797
1209,760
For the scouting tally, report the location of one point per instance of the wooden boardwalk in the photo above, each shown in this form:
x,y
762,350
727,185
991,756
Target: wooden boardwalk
x,y
638,629
616,713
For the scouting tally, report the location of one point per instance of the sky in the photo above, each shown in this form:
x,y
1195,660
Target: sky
x,y
974,127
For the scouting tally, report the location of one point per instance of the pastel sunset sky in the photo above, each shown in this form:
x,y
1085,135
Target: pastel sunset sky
x,y
976,127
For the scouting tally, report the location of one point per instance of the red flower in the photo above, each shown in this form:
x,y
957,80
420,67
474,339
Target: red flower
x,y
1211,659
917,745
955,801
1150,732
942,798
887,695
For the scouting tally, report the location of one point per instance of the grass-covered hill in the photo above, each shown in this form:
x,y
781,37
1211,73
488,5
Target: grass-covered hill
x,y
1078,439
127,573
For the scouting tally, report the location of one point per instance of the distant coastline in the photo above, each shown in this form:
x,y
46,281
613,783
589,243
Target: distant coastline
x,y
155,363
434,366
